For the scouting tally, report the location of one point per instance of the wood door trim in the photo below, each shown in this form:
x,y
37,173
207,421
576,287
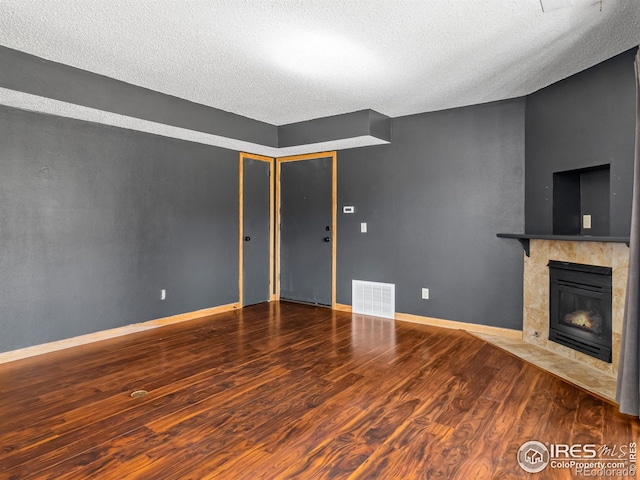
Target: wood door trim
x,y
269,160
306,156
334,214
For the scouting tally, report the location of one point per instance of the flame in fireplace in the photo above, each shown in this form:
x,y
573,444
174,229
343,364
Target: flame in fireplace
x,y
585,320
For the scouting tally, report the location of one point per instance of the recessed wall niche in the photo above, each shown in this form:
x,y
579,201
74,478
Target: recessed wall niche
x,y
581,201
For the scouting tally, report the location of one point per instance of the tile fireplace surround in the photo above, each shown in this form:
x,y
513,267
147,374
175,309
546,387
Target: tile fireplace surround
x,y
535,328
593,375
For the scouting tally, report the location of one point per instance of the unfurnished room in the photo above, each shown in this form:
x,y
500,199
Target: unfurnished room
x,y
319,239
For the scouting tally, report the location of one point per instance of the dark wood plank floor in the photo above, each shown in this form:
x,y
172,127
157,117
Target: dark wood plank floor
x,y
286,391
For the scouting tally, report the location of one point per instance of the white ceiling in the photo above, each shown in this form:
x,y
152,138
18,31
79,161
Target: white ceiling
x,y
283,61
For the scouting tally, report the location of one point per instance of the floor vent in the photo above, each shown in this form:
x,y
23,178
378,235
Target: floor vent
x,y
374,298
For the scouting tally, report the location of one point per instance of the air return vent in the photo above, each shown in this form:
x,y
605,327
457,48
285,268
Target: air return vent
x,y
374,298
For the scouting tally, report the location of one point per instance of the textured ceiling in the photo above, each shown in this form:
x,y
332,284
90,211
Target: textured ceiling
x,y
287,61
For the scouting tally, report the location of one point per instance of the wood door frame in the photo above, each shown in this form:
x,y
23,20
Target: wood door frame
x,y
270,160
334,213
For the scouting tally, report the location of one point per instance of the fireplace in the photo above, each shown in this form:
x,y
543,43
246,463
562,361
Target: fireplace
x,y
580,308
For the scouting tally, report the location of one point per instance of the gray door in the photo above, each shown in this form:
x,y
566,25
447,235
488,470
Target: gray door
x,y
305,230
256,257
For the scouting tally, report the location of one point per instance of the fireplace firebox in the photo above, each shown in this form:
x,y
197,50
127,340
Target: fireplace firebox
x,y
580,308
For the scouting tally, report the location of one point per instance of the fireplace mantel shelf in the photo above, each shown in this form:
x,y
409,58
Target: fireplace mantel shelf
x,y
525,237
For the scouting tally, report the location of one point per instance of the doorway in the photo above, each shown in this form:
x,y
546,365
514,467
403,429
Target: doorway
x,y
306,234
256,229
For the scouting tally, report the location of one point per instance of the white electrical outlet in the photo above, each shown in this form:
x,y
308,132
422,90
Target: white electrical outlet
x,y
363,227
425,294
163,294
586,221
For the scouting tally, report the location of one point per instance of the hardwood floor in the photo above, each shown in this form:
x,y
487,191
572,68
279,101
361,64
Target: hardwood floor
x,y
287,391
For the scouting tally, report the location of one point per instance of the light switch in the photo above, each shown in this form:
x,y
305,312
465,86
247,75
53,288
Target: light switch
x,y
348,209
363,227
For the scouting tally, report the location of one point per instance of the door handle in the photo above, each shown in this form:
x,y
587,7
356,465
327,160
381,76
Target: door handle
x,y
246,239
327,239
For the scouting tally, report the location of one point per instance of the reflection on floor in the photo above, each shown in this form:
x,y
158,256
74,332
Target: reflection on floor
x,y
577,373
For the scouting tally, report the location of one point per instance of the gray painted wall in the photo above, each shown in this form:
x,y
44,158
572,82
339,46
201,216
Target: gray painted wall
x,y
95,220
583,121
434,200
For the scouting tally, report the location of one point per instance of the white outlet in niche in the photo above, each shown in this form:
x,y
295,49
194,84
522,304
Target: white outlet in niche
x,y
586,221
